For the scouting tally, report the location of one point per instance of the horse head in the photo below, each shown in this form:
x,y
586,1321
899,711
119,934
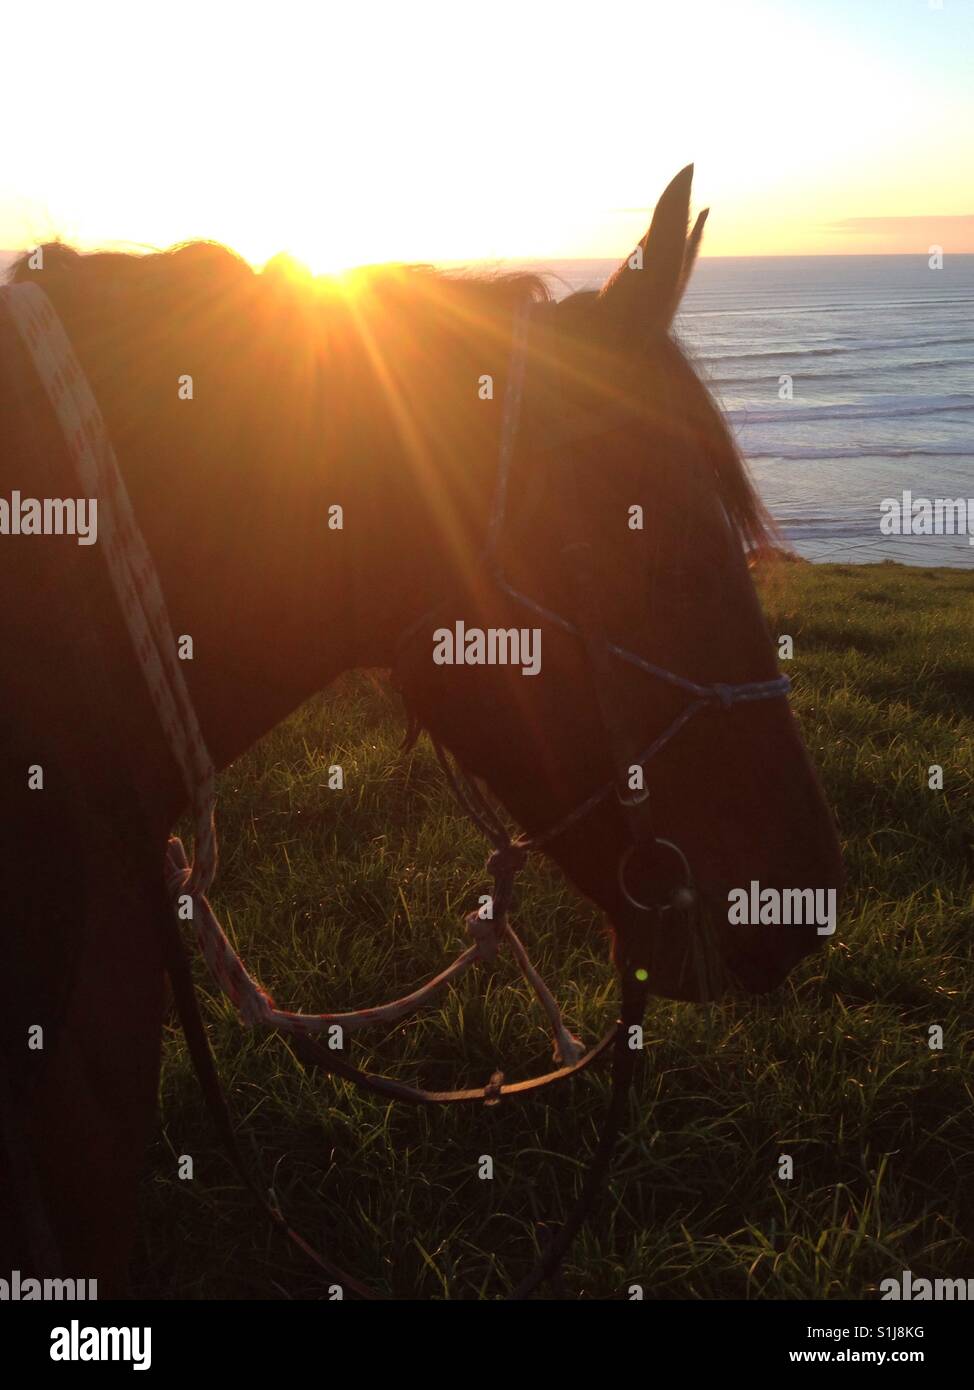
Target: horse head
x,y
623,531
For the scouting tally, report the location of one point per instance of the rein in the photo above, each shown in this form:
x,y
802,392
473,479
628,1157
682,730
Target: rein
x,y
141,601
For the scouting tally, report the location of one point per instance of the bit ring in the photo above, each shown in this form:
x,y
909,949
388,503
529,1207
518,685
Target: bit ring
x,y
653,907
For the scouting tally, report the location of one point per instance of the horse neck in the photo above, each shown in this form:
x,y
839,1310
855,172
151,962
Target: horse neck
x,y
279,598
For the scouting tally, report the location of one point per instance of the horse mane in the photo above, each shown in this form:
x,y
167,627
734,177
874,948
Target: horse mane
x,y
485,299
739,497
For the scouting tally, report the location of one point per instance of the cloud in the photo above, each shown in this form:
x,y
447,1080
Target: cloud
x,y
910,235
877,226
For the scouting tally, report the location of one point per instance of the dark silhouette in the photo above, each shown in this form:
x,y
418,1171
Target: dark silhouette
x,y
305,395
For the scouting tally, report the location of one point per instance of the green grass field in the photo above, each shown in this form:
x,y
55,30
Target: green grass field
x,y
342,899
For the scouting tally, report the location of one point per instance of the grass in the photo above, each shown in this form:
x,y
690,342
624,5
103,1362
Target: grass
x,y
337,900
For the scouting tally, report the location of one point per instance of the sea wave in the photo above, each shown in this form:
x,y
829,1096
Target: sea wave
x,y
876,408
781,306
932,362
876,451
834,349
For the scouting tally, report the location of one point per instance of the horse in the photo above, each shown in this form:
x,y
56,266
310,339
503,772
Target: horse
x,y
247,411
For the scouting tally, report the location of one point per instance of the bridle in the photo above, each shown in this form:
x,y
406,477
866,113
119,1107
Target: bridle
x,y
137,589
603,656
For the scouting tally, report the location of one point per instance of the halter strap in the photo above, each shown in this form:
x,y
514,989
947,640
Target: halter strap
x,y
589,629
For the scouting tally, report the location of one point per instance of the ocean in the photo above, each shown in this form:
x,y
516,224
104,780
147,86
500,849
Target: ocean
x,y
880,352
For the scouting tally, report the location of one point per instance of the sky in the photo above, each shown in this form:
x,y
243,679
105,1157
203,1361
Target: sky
x,y
384,130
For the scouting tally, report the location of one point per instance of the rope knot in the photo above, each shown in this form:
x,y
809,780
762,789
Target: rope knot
x,y
724,695
177,870
507,861
484,932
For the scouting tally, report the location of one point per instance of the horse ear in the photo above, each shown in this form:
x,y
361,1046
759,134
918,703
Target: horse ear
x,y
644,293
690,254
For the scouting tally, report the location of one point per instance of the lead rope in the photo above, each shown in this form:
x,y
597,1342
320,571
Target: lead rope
x,y
623,1072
